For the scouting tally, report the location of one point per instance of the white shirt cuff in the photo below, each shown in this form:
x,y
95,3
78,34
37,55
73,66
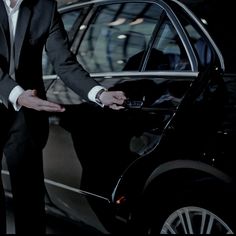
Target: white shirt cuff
x,y
15,93
93,92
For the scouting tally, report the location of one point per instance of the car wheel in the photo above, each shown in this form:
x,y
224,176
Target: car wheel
x,y
193,220
186,211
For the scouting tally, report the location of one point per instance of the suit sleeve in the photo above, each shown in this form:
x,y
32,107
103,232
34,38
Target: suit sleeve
x,y
64,61
6,86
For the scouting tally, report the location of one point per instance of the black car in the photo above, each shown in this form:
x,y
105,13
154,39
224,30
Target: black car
x,y
164,164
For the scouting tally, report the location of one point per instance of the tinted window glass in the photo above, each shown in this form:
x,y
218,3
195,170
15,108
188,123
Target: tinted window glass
x,y
200,45
168,52
116,33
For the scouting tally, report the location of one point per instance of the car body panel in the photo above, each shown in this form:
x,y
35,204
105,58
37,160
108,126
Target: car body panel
x,y
99,163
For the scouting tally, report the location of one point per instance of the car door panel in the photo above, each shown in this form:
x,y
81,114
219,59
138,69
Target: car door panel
x,y
136,47
106,142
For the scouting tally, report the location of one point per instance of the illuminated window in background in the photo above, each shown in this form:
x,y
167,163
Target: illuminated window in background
x,y
116,33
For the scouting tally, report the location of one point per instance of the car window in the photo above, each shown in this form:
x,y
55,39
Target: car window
x,y
116,33
168,52
200,45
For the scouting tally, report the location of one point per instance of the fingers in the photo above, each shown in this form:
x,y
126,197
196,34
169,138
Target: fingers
x,y
108,98
116,107
30,100
119,98
119,95
44,105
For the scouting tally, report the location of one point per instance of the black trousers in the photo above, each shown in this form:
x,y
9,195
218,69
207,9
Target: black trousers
x,y
25,166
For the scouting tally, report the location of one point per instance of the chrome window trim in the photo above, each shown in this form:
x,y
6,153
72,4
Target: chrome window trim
x,y
151,73
133,74
62,9
50,77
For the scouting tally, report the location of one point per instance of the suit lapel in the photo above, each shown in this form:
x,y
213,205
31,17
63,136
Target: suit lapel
x,y
22,24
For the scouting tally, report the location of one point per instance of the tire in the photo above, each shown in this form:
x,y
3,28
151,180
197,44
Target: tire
x,y
190,210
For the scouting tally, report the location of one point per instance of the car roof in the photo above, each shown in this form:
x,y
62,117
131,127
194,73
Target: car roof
x,y
63,3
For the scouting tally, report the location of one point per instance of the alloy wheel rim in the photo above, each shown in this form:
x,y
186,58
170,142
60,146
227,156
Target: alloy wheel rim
x,y
194,220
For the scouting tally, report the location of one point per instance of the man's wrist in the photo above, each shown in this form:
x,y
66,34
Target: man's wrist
x,y
14,95
98,96
93,93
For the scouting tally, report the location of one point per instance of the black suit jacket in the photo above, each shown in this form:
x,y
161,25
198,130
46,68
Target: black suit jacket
x,y
39,25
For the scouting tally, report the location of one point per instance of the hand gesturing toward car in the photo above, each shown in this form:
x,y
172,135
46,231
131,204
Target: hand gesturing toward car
x,y
29,99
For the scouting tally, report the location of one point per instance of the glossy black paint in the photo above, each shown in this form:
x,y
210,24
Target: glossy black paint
x,y
176,134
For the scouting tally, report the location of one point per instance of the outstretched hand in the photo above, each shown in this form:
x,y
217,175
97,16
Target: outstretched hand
x,y
29,99
113,99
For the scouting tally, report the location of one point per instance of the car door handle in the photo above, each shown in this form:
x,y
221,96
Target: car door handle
x,y
133,104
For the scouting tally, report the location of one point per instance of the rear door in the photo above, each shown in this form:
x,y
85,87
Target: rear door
x,y
144,49
140,48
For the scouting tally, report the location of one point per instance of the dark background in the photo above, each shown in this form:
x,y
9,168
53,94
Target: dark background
x,y
220,17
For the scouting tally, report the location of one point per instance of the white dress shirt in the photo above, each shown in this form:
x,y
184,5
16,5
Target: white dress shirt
x,y
17,91
12,18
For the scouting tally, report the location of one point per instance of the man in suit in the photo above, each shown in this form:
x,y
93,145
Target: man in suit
x,y
26,26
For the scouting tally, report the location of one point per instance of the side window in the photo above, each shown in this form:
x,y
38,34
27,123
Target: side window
x,y
117,33
167,52
68,19
199,43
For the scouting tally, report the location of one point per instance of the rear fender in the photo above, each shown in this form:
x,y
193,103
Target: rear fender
x,y
183,170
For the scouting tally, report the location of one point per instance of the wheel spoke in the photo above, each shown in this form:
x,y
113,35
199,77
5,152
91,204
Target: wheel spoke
x,y
172,231
210,224
188,219
189,224
182,221
203,222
